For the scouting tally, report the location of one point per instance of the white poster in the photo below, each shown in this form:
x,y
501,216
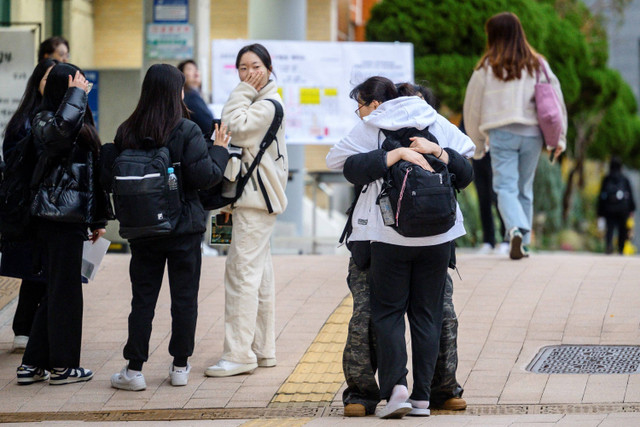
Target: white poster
x,y
314,80
17,60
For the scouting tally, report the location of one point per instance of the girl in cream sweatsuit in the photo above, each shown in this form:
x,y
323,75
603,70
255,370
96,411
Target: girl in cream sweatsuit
x,y
249,281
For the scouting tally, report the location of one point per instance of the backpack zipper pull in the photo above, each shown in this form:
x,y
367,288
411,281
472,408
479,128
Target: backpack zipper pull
x,y
440,176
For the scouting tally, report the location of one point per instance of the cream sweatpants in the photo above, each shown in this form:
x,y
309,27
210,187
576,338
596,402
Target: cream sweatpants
x,y
249,332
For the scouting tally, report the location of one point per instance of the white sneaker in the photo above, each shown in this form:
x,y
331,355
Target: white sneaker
x,y
123,381
416,410
485,249
226,368
179,375
502,248
394,410
20,343
267,362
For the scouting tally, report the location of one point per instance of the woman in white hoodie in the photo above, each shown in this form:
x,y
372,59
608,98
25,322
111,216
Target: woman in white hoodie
x,y
249,333
407,273
500,111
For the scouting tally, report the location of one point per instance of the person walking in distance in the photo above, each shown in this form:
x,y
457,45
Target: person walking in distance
x,y
500,113
616,205
249,339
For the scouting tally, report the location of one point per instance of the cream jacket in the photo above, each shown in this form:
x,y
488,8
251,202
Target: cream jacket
x,y
248,117
491,103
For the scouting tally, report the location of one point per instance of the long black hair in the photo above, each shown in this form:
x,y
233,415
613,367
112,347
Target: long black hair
x,y
158,112
375,88
54,92
30,102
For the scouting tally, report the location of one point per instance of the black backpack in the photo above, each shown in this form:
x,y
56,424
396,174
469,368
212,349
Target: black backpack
x,y
144,202
213,198
414,201
615,196
15,191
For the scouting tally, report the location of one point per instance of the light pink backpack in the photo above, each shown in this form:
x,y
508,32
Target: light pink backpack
x,y
548,109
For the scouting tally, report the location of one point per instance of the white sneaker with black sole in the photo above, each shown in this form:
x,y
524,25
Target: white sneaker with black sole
x,y
128,380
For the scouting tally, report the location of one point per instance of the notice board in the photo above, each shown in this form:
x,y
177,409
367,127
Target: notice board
x,y
314,80
17,59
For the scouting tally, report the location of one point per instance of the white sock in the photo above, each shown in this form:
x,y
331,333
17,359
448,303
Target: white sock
x,y
399,394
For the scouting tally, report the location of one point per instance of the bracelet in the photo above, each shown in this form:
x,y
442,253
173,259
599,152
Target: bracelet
x,y
441,151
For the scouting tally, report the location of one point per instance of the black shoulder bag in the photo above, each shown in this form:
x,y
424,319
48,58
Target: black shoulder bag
x,y
213,199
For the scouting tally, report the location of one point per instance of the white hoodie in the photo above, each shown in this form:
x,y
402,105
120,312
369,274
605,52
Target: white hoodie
x,y
395,114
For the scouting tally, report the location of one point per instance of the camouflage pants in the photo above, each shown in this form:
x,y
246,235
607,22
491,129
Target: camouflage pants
x,y
359,358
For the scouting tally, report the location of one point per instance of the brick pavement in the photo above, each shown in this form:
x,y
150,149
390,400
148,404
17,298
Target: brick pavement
x,y
507,310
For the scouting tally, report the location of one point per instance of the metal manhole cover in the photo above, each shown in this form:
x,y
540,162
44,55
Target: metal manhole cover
x,y
587,359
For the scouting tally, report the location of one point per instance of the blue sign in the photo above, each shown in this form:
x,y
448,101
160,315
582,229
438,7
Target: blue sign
x,y
171,11
93,77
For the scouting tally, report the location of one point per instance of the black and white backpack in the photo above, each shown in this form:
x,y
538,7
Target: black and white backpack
x,y
145,203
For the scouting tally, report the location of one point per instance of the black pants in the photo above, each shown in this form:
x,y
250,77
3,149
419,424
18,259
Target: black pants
x,y
31,293
483,178
619,223
56,333
148,258
410,280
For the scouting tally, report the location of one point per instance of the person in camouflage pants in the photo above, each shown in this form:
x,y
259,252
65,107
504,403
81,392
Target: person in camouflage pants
x,y
359,357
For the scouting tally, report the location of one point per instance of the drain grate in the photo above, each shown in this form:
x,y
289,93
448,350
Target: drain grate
x,y
587,359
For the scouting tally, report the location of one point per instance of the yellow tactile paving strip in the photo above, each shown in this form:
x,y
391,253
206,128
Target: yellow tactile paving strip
x,y
318,375
9,289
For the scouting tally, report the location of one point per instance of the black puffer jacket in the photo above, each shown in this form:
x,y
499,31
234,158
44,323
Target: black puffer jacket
x,y
201,167
55,137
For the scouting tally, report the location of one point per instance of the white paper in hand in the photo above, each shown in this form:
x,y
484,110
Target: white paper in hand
x,y
92,254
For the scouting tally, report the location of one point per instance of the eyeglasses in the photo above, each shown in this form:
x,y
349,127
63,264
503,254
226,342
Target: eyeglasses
x,y
358,110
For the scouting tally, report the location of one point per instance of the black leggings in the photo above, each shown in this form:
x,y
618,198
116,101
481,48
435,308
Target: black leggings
x,y
406,279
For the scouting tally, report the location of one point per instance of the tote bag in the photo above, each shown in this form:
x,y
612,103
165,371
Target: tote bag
x,y
548,109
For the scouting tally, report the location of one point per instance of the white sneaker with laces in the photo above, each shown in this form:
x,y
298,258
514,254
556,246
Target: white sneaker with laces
x,y
179,374
126,380
226,368
485,249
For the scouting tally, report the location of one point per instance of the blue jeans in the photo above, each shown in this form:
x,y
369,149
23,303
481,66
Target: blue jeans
x,y
514,159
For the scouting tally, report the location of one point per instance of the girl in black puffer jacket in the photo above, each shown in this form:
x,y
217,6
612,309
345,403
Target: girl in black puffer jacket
x,y
64,135
159,121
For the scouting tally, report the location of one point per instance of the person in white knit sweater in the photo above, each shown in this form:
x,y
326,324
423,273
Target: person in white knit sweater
x,y
249,339
500,113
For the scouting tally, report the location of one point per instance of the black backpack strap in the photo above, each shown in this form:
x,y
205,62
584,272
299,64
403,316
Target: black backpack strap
x,y
269,137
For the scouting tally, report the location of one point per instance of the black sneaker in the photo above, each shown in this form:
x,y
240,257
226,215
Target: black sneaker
x,y
30,374
69,375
